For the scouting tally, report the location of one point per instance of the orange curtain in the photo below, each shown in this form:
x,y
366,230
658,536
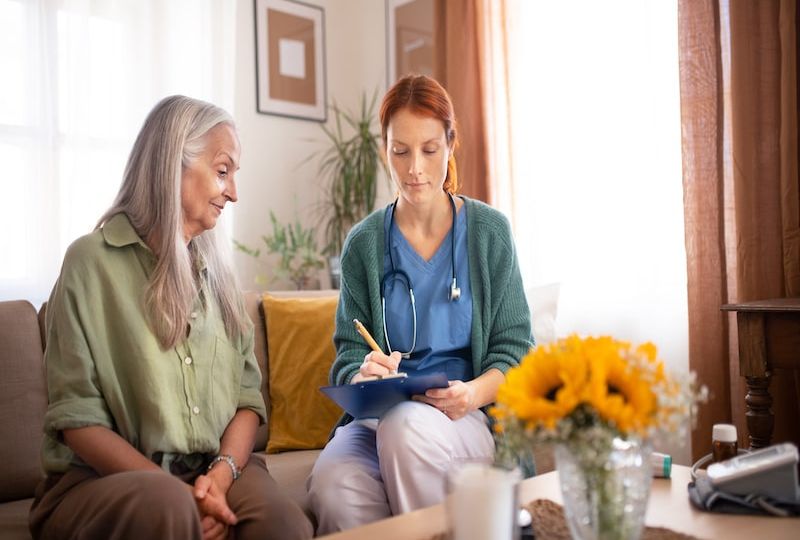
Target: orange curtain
x,y
703,185
739,117
460,70
764,137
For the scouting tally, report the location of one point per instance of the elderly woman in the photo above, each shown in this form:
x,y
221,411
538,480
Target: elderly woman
x,y
153,385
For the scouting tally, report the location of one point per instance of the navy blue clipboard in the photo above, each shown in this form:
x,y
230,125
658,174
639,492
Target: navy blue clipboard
x,y
371,399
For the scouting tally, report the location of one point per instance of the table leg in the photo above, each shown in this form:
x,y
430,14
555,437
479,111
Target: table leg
x,y
760,419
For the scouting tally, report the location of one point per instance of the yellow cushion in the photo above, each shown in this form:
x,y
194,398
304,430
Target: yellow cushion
x,y
300,349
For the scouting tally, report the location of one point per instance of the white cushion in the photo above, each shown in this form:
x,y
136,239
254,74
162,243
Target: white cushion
x,y
543,303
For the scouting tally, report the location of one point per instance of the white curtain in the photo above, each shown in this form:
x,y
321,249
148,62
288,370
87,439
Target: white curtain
x,y
594,189
78,78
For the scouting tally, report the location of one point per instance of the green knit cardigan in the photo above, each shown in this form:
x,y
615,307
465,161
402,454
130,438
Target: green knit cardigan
x,y
501,321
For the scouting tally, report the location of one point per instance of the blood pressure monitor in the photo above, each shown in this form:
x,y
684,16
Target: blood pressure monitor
x,y
771,471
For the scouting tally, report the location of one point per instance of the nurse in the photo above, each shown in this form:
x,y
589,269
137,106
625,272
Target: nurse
x,y
434,277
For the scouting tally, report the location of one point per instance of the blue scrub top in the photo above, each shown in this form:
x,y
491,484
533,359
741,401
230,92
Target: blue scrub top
x,y
444,328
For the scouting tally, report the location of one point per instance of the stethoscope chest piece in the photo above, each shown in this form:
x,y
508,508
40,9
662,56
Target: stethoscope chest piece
x,y
455,291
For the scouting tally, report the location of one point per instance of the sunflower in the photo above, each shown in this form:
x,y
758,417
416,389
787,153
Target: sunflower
x,y
620,390
587,391
546,386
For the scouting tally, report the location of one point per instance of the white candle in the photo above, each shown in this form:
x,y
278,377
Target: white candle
x,y
481,502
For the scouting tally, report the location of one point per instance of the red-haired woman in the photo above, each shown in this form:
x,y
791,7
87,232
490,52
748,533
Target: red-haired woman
x,y
435,278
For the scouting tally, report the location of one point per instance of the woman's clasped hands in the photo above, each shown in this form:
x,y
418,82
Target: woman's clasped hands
x,y
209,492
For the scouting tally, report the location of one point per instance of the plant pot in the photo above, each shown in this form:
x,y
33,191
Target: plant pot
x,y
335,270
308,283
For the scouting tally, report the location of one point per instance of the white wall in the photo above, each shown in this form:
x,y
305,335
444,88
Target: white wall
x,y
273,147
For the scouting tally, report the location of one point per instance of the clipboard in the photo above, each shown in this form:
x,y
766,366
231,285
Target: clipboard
x,y
371,399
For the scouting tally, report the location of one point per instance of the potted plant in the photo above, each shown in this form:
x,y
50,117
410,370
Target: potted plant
x,y
297,250
349,167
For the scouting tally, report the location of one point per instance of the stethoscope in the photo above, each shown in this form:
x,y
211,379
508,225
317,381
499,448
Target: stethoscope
x,y
453,293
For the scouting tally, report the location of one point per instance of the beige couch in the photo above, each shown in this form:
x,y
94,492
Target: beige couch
x,y
23,400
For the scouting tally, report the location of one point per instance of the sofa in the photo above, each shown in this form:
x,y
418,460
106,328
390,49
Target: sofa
x,y
23,401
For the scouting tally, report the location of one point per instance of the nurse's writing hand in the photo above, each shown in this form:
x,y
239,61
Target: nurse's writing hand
x,y
377,364
456,401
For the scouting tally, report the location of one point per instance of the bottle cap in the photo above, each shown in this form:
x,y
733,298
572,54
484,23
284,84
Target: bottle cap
x,y
724,433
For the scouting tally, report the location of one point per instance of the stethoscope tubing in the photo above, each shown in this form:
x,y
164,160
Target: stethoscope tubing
x,y
454,293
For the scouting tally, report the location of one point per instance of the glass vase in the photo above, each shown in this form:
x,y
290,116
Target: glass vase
x,y
605,490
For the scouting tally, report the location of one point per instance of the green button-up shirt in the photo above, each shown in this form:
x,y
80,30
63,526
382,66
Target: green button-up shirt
x,y
105,366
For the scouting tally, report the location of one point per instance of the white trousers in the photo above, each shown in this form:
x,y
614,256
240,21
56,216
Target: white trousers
x,y
371,470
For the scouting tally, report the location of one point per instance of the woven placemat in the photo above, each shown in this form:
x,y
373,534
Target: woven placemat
x,y
549,523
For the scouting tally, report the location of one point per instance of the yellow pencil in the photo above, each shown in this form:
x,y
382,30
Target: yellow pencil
x,y
367,337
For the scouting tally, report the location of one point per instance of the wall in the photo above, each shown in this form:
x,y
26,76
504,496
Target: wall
x,y
272,175
272,178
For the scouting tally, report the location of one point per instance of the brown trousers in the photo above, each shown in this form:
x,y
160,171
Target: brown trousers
x,y
145,504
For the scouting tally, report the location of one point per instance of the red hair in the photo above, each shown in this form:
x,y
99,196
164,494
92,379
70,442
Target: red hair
x,y
424,96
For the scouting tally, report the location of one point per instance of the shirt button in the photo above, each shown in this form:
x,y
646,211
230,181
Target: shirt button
x,y
187,360
196,409
193,315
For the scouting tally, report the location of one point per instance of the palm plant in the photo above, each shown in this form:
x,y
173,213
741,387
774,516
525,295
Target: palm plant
x,y
349,166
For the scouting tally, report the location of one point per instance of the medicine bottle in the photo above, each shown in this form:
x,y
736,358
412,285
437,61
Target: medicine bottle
x,y
723,442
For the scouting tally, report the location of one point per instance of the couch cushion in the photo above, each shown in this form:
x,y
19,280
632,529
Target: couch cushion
x,y
543,303
252,304
14,520
290,470
300,345
23,400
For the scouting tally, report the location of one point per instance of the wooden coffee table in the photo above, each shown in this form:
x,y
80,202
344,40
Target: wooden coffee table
x,y
668,507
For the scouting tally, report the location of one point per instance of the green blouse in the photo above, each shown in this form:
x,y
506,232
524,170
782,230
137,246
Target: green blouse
x,y
105,366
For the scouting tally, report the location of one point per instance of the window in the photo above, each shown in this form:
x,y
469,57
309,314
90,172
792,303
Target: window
x,y
596,161
81,78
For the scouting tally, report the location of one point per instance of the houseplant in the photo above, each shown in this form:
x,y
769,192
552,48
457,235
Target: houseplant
x,y
600,401
296,247
349,167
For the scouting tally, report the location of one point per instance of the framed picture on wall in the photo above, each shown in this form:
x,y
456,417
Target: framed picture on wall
x,y
290,59
411,38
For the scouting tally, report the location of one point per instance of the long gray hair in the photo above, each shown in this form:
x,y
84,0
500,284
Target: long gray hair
x,y
172,137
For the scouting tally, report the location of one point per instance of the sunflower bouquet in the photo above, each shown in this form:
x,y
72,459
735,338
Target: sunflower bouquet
x,y
589,397
578,389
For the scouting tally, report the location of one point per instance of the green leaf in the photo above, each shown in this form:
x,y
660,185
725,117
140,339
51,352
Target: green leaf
x,y
295,247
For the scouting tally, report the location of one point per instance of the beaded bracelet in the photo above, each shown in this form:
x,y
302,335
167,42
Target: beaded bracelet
x,y
235,471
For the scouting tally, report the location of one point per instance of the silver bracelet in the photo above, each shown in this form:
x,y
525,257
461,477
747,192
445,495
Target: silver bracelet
x,y
235,471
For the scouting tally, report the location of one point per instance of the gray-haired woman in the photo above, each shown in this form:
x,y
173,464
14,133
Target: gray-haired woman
x,y
153,386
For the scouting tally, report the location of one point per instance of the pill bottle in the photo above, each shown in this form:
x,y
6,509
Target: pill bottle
x,y
723,441
661,465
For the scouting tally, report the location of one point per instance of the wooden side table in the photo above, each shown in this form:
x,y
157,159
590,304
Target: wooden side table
x,y
769,338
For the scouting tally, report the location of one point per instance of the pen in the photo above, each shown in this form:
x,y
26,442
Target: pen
x,y
361,329
365,334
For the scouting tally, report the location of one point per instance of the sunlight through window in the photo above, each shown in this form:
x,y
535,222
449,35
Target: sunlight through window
x,y
595,120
